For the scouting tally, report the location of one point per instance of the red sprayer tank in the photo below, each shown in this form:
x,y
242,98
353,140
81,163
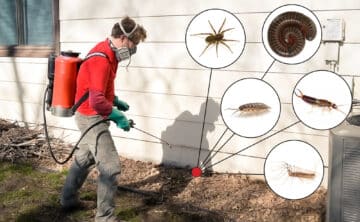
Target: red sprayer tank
x,y
66,69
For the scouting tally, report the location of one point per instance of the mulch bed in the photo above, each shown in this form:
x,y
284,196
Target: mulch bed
x,y
226,197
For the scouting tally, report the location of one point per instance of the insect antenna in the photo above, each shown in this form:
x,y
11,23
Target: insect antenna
x,y
342,105
298,93
339,110
236,110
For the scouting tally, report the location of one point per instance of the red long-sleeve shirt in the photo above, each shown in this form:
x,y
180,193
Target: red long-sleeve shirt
x,y
97,75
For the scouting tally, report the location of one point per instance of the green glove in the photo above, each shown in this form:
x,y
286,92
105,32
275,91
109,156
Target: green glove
x,y
121,105
120,119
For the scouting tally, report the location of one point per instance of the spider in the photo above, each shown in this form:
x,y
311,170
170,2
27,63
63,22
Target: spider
x,y
216,38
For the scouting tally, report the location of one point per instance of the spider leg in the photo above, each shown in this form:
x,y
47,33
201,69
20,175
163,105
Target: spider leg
x,y
227,30
217,46
230,40
205,49
221,26
201,34
214,32
222,42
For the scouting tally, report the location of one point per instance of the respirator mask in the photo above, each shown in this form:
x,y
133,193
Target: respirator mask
x,y
124,53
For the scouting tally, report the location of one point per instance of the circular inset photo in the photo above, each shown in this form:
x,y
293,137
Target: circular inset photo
x,y
215,38
291,34
322,100
250,107
294,169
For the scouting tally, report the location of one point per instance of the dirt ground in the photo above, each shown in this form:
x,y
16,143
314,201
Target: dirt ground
x,y
147,192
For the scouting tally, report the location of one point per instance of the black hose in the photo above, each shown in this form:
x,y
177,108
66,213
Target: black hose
x,y
131,123
78,142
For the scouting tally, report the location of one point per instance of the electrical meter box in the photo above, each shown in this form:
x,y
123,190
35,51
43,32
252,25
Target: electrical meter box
x,y
333,30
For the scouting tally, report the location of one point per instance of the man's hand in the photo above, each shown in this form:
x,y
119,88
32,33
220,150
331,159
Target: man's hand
x,y
121,105
120,119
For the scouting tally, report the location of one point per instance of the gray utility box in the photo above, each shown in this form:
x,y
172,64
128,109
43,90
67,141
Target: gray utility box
x,y
344,173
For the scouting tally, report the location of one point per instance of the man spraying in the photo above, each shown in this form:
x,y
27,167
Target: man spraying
x,y
96,77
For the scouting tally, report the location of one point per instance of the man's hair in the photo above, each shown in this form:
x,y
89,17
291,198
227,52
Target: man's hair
x,y
129,24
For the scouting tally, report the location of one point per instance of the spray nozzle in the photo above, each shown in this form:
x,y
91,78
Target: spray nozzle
x,y
132,123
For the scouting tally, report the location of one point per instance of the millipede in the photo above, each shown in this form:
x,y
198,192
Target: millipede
x,y
288,31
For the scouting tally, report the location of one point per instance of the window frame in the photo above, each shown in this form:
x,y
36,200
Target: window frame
x,y
36,50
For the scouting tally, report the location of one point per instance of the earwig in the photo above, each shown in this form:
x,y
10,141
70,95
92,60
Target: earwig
x,y
216,38
294,171
288,31
316,101
251,108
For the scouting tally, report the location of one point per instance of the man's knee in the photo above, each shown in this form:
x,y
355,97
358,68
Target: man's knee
x,y
84,160
109,169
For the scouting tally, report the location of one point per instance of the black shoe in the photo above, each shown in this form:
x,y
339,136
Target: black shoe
x,y
80,205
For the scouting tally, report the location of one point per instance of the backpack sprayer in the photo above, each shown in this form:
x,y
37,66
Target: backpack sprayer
x,y
59,97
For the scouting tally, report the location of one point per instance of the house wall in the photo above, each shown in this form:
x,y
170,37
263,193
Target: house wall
x,y
167,90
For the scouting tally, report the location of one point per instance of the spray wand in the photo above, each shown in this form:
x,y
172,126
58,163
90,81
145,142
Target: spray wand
x,y
132,125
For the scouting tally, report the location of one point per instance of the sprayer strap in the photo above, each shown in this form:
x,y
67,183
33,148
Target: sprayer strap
x,y
86,95
95,54
79,102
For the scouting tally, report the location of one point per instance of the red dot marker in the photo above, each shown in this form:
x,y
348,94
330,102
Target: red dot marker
x,y
196,172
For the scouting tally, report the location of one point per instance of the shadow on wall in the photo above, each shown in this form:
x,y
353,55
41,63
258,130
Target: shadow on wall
x,y
185,133
20,90
172,179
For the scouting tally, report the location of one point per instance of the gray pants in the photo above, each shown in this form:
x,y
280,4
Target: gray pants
x,y
97,148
